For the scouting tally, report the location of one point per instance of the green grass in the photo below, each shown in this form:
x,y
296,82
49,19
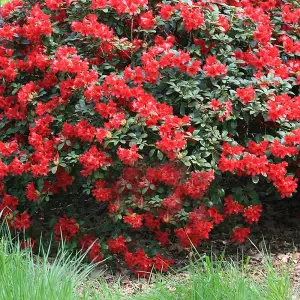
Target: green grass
x,y
219,280
3,1
209,279
25,276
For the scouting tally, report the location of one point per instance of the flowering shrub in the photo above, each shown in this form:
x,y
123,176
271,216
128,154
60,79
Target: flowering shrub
x,y
165,115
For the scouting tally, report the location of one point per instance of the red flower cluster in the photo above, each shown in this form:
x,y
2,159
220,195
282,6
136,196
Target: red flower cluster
x,y
21,221
92,160
117,245
147,20
285,107
252,214
31,193
232,207
193,18
88,243
224,109
90,27
240,234
246,94
101,193
134,220
142,265
213,68
66,228
128,157
257,163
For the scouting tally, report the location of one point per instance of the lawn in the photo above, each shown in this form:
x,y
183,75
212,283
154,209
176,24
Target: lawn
x,y
27,276
206,279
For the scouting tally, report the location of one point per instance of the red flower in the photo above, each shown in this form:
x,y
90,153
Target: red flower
x,y
135,220
195,232
31,193
101,193
166,11
223,22
277,171
193,18
240,235
66,228
117,245
279,150
213,68
21,221
213,213
92,160
161,264
88,243
246,94
29,243
99,4
7,149
232,150
91,27
54,4
257,149
286,186
8,205
252,214
227,107
232,207
147,20
128,157
38,24
162,237
198,184
139,263
215,104
151,222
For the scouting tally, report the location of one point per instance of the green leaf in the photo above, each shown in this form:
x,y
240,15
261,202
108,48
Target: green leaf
x,y
160,155
144,190
54,170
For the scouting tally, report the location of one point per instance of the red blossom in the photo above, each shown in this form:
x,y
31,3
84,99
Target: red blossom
x,y
29,243
252,213
161,264
246,94
22,221
31,193
214,68
134,220
128,157
232,207
240,235
8,204
88,243
117,245
66,228
128,114
147,20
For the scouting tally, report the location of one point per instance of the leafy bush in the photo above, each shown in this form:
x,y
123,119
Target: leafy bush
x,y
140,123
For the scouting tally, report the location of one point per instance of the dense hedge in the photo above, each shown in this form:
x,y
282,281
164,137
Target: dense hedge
x,y
171,117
